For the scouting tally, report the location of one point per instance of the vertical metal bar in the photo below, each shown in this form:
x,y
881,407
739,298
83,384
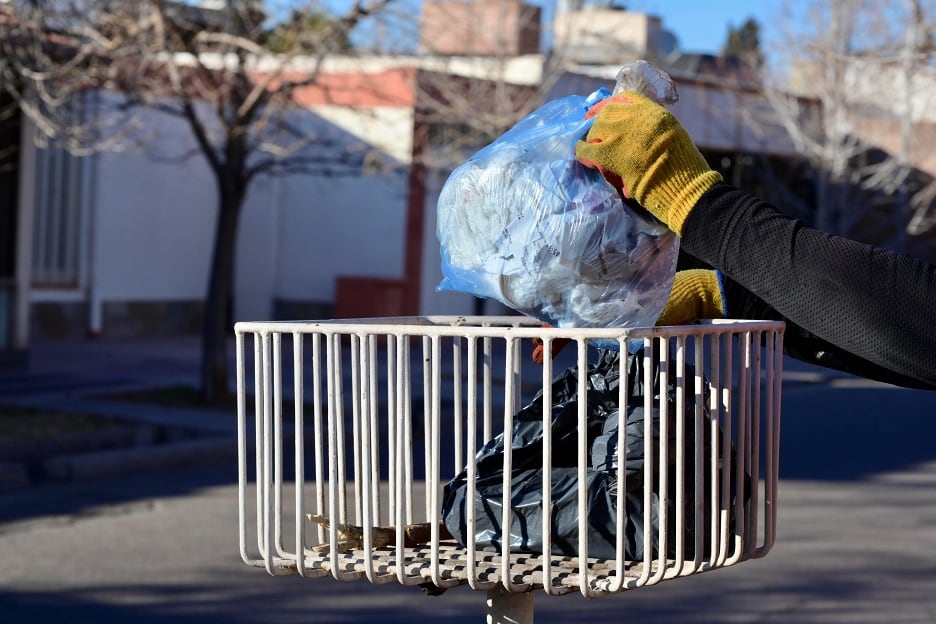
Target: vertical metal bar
x,y
278,441
774,375
428,401
742,451
318,434
374,473
357,407
582,466
392,432
648,463
407,440
700,435
680,450
517,377
269,537
755,445
299,439
432,469
778,375
507,494
488,370
457,415
258,436
340,450
241,448
663,467
547,464
620,520
366,483
336,485
404,454
471,468
726,445
717,543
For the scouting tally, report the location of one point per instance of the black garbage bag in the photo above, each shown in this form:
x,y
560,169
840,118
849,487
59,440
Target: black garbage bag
x,y
525,531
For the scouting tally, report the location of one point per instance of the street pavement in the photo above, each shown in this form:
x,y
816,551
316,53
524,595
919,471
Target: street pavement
x,y
856,528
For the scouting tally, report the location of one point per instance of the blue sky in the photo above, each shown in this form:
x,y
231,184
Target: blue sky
x,y
700,25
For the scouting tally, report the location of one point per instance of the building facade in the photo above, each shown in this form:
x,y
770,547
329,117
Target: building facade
x,y
120,243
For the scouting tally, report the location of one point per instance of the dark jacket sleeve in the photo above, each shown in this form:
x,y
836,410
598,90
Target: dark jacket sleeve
x,y
849,306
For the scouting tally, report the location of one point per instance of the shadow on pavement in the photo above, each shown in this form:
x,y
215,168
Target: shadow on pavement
x,y
809,597
346,602
78,498
850,432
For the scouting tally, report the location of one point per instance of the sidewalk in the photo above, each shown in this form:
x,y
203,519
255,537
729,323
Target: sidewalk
x,y
76,377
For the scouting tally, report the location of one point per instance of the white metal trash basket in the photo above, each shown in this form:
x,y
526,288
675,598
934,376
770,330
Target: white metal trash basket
x,y
390,409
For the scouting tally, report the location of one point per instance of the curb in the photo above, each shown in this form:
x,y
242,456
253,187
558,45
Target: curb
x,y
92,459
88,466
33,450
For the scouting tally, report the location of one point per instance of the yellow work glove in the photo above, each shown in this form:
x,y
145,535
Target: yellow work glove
x,y
696,294
643,150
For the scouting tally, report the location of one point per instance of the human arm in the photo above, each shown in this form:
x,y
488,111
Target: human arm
x,y
847,305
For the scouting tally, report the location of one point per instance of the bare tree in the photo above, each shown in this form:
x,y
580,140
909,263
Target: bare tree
x,y
853,101
225,71
232,74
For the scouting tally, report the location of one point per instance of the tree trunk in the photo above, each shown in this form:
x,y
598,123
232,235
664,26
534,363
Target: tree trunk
x,y
214,356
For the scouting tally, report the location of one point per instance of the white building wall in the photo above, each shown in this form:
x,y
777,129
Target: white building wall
x,y
256,262
339,225
333,226
153,228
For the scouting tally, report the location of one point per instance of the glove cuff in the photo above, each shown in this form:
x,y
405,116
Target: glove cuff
x,y
696,294
687,199
675,182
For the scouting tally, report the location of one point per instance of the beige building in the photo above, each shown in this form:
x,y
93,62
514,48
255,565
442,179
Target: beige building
x,y
593,34
501,28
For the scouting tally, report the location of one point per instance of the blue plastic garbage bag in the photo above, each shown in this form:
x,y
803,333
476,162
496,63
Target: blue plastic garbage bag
x,y
523,222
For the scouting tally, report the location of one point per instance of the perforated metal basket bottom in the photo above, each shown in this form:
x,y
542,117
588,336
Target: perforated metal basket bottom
x,y
526,571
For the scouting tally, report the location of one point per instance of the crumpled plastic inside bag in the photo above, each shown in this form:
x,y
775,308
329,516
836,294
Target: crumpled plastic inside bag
x,y
524,223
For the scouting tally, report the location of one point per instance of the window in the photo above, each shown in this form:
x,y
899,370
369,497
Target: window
x,y
57,220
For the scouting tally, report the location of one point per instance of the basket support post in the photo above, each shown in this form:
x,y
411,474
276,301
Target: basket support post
x,y
504,607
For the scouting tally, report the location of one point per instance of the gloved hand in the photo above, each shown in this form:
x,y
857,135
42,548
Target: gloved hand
x,y
643,150
696,294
